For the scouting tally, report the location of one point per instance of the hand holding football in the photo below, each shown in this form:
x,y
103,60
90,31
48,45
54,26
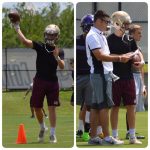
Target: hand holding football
x,y
14,16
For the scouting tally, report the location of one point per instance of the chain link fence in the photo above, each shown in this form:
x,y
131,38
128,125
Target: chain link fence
x,y
19,69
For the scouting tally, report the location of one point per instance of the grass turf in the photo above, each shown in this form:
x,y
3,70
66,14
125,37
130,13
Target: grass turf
x,y
141,128
15,111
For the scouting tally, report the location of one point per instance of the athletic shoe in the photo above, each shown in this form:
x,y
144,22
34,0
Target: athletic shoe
x,y
85,136
53,139
79,133
101,135
114,141
138,136
134,141
41,134
95,141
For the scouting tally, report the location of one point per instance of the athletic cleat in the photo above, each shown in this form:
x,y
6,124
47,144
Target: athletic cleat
x,y
85,136
53,139
95,141
138,136
134,141
41,134
113,141
79,133
117,138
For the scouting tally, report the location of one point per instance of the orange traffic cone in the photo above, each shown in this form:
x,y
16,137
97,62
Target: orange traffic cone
x,y
21,135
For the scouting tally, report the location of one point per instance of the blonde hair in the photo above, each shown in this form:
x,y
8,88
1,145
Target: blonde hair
x,y
133,28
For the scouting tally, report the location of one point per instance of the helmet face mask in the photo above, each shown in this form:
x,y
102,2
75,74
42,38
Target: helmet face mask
x,y
51,34
86,23
51,39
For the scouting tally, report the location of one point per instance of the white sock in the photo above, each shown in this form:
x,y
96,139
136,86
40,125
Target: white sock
x,y
42,125
81,125
115,133
132,133
99,130
87,117
52,131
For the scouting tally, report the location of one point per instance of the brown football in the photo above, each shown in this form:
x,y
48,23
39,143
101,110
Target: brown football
x,y
14,16
136,58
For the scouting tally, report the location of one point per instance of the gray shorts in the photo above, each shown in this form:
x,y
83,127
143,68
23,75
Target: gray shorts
x,y
138,88
83,90
108,82
99,98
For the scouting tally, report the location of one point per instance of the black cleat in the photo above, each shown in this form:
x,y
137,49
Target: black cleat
x,y
79,133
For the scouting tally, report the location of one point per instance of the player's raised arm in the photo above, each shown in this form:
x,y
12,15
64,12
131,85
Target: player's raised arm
x,y
15,20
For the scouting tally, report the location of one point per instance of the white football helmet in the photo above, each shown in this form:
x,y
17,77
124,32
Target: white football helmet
x,y
51,34
120,19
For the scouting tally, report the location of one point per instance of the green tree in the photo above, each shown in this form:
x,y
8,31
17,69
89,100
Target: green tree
x,y
33,23
67,27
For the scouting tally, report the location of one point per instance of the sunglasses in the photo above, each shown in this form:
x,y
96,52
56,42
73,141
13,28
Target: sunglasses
x,y
106,21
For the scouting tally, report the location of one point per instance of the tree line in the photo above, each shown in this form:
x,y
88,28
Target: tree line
x,y
34,22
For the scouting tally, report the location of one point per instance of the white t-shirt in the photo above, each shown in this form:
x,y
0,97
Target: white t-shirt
x,y
96,40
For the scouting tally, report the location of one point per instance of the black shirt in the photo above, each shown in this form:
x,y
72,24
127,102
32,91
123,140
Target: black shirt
x,y
81,59
46,64
117,46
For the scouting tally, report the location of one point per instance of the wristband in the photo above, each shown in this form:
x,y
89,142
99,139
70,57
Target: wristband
x,y
16,26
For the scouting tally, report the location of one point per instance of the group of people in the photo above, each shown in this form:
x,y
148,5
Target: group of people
x,y
106,76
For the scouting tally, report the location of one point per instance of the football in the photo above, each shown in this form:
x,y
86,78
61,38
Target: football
x,y
136,58
14,16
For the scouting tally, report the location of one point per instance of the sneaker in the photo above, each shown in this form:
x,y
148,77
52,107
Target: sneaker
x,y
134,141
79,133
140,137
53,139
114,141
95,141
85,136
101,135
41,134
137,136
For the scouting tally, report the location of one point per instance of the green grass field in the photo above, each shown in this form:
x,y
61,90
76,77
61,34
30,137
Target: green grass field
x,y
15,111
141,127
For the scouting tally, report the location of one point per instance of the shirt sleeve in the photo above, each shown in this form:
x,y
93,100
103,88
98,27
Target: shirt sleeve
x,y
93,42
37,45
